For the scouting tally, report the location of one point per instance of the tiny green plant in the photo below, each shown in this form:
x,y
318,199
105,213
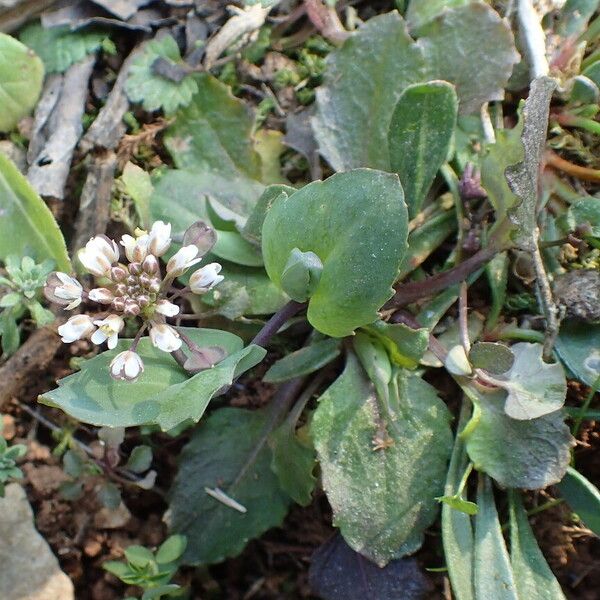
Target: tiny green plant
x,y
21,288
8,460
152,571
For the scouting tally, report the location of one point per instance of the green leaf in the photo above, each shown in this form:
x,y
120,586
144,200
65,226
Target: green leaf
x,y
151,89
169,589
171,549
583,497
118,569
11,337
419,13
497,157
27,227
356,223
10,299
138,186
521,454
578,346
457,530
492,357
163,394
492,573
252,230
21,77
363,82
140,459
405,345
419,137
139,556
109,495
304,361
523,176
585,212
293,462
214,133
533,578
365,77
478,32
535,388
383,499
59,47
258,294
180,195
229,452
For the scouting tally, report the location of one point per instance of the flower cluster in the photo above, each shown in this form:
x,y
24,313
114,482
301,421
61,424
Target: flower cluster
x,y
133,288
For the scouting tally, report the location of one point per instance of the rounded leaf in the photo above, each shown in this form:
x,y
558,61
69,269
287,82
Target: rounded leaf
x,y
356,223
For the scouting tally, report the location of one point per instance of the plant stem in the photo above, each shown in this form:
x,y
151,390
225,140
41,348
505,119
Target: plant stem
x,y
276,322
553,160
407,293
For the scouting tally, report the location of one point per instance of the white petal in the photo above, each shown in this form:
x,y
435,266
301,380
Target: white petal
x,y
99,337
164,307
164,337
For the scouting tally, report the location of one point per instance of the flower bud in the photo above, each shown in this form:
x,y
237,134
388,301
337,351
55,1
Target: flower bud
x,y
101,295
154,286
132,309
159,238
126,366
120,289
206,278
164,337
118,273
150,265
135,268
118,304
182,260
166,308
98,255
136,248
76,328
145,279
62,289
143,300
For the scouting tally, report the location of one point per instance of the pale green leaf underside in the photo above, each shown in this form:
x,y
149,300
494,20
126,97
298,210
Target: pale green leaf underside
x,y
163,395
229,452
27,227
21,76
365,77
383,499
521,454
356,223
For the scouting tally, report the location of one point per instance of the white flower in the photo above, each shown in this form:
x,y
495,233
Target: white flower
x,y
164,307
126,366
206,278
108,330
63,289
182,260
160,238
136,248
98,255
101,295
76,328
164,337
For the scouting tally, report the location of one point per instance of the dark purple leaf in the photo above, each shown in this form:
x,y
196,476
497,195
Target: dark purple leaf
x,y
337,572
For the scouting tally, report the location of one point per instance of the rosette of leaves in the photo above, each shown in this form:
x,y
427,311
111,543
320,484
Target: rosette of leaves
x,y
22,294
8,460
